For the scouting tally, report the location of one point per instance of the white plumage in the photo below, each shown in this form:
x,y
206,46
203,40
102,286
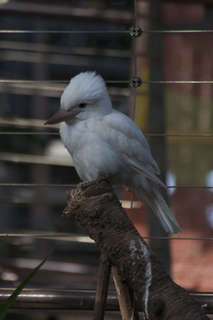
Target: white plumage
x,y
105,143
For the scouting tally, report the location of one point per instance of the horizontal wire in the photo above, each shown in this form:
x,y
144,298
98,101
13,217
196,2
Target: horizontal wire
x,y
196,135
28,133
180,31
179,82
184,135
32,81
113,81
189,187
35,185
6,184
68,236
56,81
107,31
67,31
178,238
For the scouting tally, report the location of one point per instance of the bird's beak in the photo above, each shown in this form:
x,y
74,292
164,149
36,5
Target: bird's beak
x,y
61,115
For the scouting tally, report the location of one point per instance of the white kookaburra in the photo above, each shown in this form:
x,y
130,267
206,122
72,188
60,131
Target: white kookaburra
x,y
106,144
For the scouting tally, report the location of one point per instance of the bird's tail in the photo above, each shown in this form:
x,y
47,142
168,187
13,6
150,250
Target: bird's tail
x,y
161,210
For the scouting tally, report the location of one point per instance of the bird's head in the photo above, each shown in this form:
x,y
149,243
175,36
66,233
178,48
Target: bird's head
x,y
85,94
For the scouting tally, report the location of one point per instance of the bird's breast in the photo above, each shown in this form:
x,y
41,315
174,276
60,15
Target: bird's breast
x,y
92,155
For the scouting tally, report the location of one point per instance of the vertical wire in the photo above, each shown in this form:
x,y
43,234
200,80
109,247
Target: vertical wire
x,y
135,13
131,206
134,74
134,49
134,65
134,39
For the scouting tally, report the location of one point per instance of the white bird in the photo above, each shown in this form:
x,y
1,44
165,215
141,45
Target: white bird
x,y
106,144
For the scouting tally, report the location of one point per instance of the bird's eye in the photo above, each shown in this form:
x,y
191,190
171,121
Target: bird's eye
x,y
82,105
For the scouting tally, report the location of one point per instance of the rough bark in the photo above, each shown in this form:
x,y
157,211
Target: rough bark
x,y
98,210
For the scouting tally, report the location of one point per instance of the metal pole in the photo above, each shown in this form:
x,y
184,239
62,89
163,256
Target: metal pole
x,y
61,299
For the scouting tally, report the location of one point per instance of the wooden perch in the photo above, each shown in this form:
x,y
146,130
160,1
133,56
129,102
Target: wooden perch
x,y
97,208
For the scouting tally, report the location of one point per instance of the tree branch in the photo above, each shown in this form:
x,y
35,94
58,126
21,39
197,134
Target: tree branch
x,y
97,208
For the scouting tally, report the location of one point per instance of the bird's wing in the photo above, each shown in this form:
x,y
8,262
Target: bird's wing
x,y
145,171
125,136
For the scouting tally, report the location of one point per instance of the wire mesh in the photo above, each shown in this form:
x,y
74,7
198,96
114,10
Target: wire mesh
x,y
28,129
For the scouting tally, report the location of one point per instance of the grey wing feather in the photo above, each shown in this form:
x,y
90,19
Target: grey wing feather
x,y
148,174
131,143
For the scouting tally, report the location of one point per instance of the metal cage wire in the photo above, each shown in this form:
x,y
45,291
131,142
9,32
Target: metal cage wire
x,y
134,96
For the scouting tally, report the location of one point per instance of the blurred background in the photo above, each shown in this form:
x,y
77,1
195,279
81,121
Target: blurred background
x,y
45,43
